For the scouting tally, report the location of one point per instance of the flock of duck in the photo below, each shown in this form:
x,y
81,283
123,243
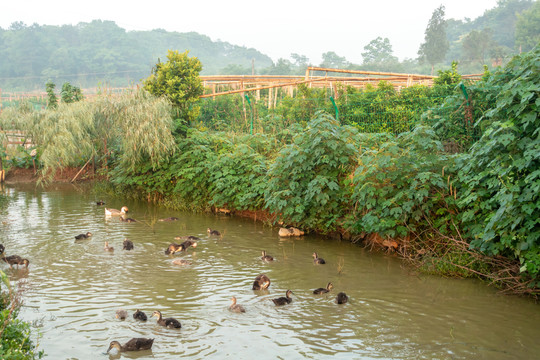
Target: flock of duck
x,y
261,282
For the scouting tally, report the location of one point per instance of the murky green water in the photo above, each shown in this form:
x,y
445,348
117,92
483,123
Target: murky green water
x,y
74,288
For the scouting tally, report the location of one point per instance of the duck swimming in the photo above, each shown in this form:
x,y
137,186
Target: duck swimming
x,y
16,260
107,247
128,220
134,344
181,262
168,322
128,244
172,218
83,236
100,202
261,282
342,298
265,257
329,287
121,314
2,249
189,237
317,259
173,248
234,307
114,212
283,300
213,232
139,315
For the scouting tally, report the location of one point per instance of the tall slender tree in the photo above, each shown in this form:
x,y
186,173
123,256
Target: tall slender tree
x,y
435,45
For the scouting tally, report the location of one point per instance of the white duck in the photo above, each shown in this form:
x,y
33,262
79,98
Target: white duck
x,y
114,212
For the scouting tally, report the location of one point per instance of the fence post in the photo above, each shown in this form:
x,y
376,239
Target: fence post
x,y
335,107
251,108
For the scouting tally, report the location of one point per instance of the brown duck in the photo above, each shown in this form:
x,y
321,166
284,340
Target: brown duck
x,y
261,282
15,260
171,323
234,307
139,315
173,248
134,344
266,257
317,259
329,287
213,232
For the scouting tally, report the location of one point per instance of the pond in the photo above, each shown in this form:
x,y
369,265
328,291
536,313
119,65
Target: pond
x,y
72,290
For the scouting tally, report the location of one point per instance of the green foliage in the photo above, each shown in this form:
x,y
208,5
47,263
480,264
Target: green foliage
x,y
379,54
399,183
449,77
308,179
15,337
527,28
500,176
52,101
71,93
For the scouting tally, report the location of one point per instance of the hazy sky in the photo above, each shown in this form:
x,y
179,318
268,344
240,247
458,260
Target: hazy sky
x,y
276,28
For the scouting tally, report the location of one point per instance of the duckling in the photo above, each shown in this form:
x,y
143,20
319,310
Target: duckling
x,y
234,307
265,257
261,282
189,237
16,260
100,202
121,314
168,322
181,262
2,249
139,315
114,212
317,259
284,299
342,298
329,287
134,344
213,232
107,247
128,244
173,248
172,218
128,220
83,236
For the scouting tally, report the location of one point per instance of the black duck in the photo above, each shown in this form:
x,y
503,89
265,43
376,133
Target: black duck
x,y
284,299
342,298
329,287
128,245
173,248
261,282
100,202
172,218
128,220
139,315
134,344
83,236
167,322
213,232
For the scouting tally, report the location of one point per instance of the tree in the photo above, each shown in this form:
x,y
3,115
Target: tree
x,y
332,60
52,102
435,44
178,80
378,51
528,28
70,93
477,44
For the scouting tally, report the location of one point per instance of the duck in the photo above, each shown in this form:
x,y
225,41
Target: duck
x,y
134,344
114,212
128,220
284,299
213,232
83,236
181,262
107,247
234,307
173,248
265,257
317,259
15,260
2,249
172,218
342,298
139,315
121,314
261,282
168,322
189,237
100,202
329,287
128,244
